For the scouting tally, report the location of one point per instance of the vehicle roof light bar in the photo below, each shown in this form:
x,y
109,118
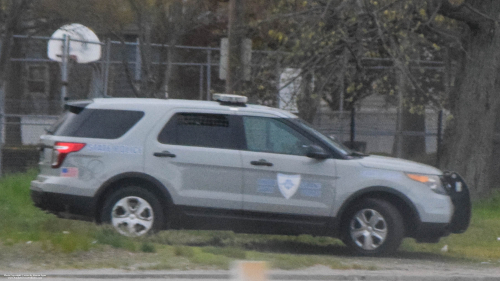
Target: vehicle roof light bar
x,y
234,100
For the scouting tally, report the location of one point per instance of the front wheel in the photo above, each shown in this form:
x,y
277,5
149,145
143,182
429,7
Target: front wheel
x,y
372,227
133,211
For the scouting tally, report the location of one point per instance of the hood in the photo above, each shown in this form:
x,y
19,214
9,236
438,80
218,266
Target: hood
x,y
396,164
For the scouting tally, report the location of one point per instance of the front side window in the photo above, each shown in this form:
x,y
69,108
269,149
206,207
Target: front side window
x,y
338,147
274,136
199,129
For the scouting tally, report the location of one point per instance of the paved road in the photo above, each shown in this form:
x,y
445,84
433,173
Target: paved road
x,y
491,274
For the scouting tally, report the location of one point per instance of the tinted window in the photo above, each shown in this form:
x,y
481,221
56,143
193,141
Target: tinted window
x,y
271,135
98,123
197,129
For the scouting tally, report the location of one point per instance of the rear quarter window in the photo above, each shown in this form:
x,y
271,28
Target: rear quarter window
x,y
200,129
98,123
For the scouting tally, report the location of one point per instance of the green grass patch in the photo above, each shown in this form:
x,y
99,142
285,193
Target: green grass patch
x,y
209,259
22,222
488,208
106,235
148,247
234,253
481,242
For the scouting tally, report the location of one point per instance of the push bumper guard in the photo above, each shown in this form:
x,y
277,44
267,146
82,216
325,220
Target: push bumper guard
x,y
460,197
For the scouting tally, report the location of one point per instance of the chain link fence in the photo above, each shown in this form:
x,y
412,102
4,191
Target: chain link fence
x,y
376,132
32,98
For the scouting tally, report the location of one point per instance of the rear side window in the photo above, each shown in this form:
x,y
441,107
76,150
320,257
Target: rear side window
x,y
98,123
199,129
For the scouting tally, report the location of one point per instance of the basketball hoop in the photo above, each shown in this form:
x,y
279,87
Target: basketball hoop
x,y
83,44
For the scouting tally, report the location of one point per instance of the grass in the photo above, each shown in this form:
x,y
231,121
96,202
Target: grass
x,y
36,239
22,222
480,242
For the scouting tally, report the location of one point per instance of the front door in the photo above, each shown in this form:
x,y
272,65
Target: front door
x,y
278,177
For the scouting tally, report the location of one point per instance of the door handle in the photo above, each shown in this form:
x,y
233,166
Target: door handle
x,y
164,154
261,162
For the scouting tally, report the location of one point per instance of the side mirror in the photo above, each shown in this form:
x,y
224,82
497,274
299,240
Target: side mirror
x,y
317,152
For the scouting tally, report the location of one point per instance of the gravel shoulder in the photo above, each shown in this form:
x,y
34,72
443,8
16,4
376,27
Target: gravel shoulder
x,y
111,263
387,268
402,272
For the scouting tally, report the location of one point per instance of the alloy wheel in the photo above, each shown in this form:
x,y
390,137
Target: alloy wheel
x,y
132,216
368,229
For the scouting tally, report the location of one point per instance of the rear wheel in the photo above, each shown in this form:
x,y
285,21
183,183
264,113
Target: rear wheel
x,y
372,227
133,211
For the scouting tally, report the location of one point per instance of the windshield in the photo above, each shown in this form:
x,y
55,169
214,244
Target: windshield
x,y
331,142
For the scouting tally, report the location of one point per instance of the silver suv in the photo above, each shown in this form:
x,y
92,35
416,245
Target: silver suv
x,y
147,164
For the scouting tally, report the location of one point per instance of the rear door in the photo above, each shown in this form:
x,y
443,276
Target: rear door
x,y
195,154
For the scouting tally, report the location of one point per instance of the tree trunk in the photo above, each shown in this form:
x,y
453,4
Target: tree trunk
x,y
412,145
236,34
405,144
172,77
308,101
14,95
469,136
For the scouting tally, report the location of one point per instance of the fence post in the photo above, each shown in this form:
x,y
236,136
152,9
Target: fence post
x,y
278,77
209,73
353,126
399,122
107,65
2,123
201,82
64,69
344,65
439,138
138,61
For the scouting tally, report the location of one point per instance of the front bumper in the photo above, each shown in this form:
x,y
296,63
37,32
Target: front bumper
x,y
460,197
460,219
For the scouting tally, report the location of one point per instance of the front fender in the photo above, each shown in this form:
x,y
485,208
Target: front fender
x,y
393,196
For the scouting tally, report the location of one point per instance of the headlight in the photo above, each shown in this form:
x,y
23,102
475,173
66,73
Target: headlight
x,y
432,181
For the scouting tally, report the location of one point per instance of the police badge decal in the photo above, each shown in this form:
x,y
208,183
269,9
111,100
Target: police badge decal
x,y
288,184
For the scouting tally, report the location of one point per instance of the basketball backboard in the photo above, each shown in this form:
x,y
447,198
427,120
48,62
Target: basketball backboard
x,y
86,48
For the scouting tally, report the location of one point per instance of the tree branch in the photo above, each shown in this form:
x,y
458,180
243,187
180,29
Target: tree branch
x,y
434,14
479,12
463,12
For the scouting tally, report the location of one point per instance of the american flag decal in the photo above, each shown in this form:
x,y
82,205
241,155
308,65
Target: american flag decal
x,y
69,172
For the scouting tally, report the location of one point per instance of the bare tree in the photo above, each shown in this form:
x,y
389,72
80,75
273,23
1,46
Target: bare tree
x,y
10,20
17,17
164,22
403,31
236,34
475,98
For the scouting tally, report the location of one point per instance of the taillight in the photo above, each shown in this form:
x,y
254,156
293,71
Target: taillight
x,y
61,149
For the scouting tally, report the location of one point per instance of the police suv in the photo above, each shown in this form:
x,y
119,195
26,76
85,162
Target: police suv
x,y
144,165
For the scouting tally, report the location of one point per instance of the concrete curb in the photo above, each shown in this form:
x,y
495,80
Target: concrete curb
x,y
373,276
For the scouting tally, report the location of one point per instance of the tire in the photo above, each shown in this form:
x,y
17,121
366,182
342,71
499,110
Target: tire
x,y
373,227
133,211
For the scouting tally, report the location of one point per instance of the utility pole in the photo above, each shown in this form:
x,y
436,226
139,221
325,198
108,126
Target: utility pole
x,y
236,34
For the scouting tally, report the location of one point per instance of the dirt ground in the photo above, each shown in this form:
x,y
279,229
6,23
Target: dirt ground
x,y
120,264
